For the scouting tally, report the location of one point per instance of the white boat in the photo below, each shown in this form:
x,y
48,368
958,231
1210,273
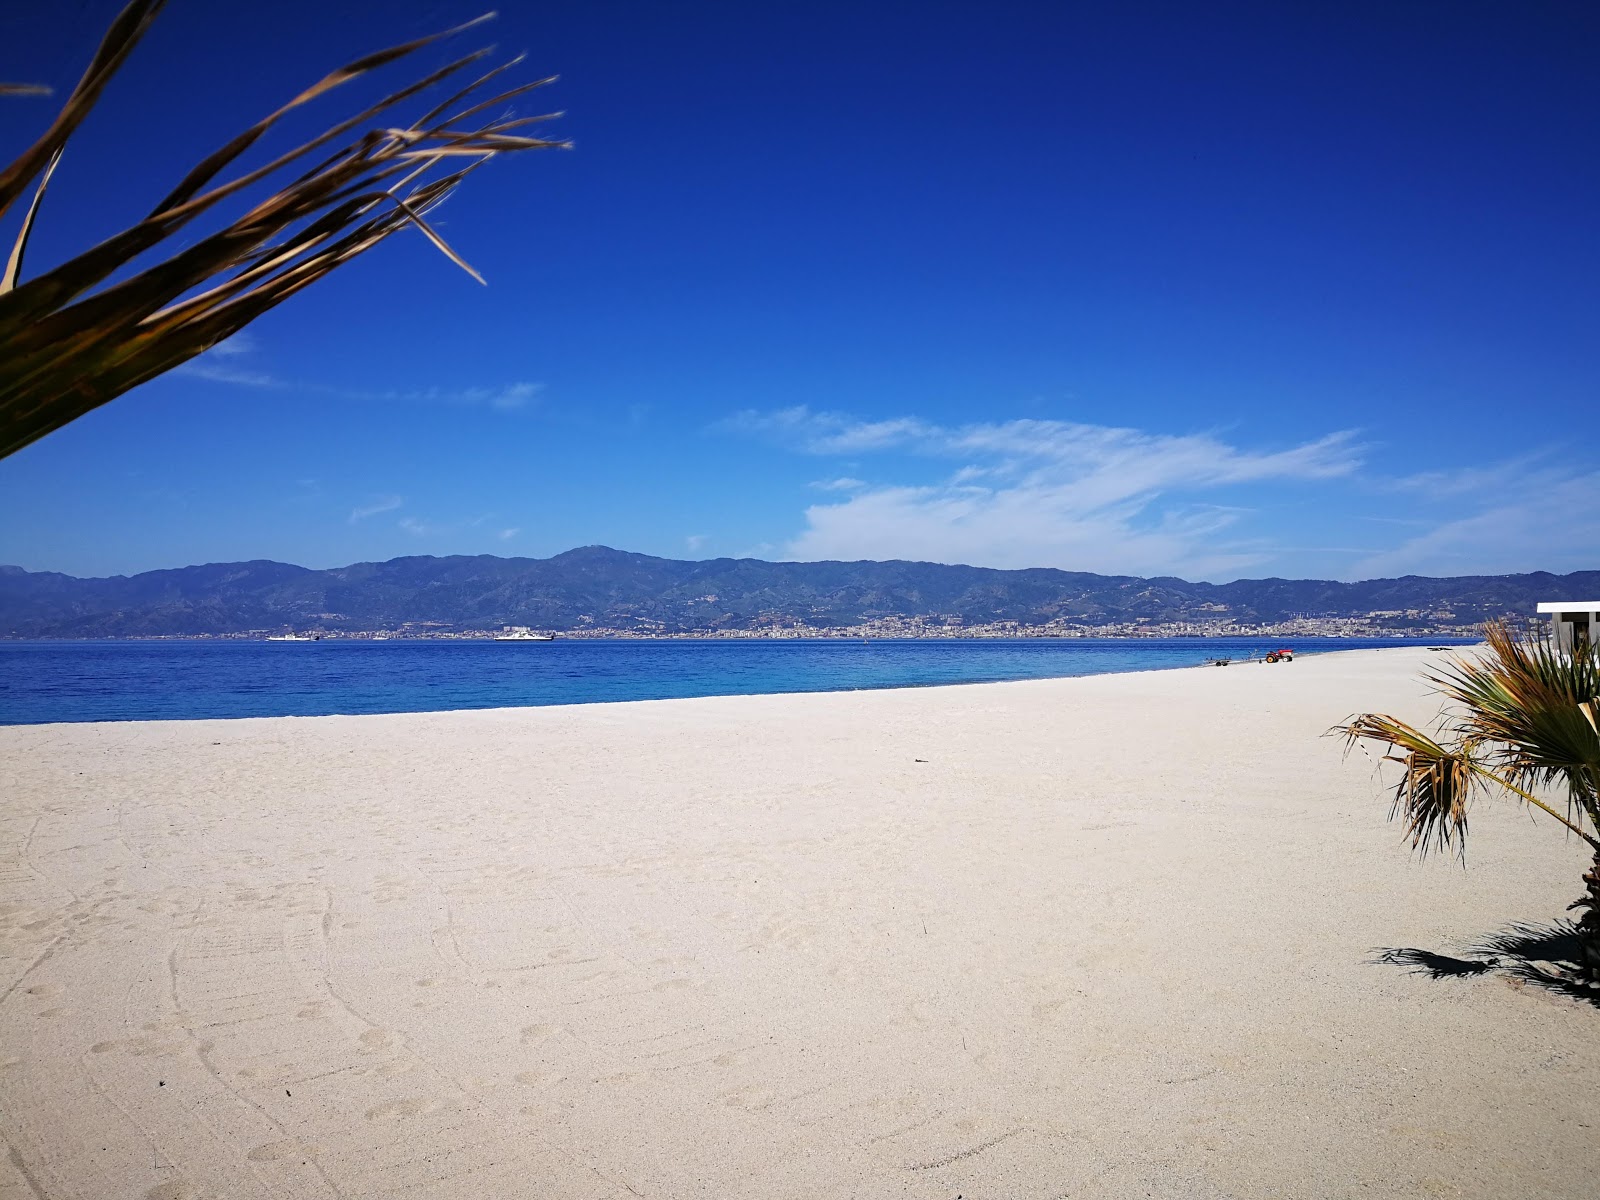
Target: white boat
x,y
524,635
290,637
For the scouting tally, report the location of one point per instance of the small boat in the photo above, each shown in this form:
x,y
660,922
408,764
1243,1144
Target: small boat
x,y
524,635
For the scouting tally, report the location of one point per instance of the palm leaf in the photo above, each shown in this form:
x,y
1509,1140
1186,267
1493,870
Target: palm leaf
x,y
70,341
119,41
1534,705
1525,716
1436,785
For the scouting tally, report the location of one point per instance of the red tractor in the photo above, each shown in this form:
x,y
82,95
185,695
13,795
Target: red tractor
x,y
1284,655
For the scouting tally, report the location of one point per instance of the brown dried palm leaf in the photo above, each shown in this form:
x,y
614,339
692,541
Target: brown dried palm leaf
x,y
1532,703
1436,785
70,341
1437,781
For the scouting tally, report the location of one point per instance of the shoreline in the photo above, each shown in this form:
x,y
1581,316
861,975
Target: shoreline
x,y
614,635
892,687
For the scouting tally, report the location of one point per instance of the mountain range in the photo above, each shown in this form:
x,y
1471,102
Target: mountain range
x,y
596,586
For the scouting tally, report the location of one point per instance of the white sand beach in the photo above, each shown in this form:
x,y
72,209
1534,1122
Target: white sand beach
x,y
1100,937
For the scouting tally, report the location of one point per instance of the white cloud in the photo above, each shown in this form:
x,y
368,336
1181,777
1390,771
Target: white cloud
x,y
379,504
506,398
1534,470
217,373
694,541
1547,527
1044,493
843,484
502,399
429,528
240,343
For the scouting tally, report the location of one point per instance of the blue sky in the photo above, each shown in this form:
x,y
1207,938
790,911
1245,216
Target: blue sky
x,y
1209,290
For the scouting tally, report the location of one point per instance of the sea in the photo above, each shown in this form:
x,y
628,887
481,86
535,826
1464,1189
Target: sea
x,y
167,680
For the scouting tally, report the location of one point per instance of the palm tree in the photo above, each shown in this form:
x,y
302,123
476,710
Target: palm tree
x,y
160,292
1524,722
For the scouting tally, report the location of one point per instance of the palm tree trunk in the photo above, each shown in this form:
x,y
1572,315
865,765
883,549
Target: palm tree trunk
x,y
1589,924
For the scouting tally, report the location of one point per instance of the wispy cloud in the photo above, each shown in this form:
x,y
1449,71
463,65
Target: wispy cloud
x,y
242,342
1043,493
1535,470
379,504
1544,524
843,484
429,528
694,541
219,372
215,366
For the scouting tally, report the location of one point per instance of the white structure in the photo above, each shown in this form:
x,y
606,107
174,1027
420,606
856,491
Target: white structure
x,y
1573,623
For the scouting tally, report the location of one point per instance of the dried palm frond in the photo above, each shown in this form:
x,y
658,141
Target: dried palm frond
x,y
1435,788
1526,716
69,341
1533,704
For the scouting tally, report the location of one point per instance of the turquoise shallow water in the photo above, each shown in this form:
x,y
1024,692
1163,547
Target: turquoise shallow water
x,y
170,680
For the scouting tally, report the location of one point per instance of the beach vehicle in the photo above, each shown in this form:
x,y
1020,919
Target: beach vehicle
x,y
1284,655
524,635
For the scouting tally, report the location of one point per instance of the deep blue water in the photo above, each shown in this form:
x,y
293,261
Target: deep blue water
x,y
166,680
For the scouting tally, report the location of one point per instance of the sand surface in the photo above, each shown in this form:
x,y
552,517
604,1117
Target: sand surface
x,y
1114,937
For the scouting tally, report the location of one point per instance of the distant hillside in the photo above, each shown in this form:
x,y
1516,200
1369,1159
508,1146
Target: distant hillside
x,y
598,586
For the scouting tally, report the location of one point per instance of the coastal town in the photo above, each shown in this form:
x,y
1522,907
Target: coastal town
x,y
1410,623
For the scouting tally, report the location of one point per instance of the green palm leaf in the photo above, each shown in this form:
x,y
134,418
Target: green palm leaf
x,y
1523,718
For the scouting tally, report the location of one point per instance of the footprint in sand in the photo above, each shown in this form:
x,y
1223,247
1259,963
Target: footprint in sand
x,y
414,1106
539,1078
532,1035
278,1151
671,985
173,1189
46,991
377,1039
750,1098
1048,1010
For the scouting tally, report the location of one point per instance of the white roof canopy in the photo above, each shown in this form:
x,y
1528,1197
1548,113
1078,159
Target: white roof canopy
x,y
1570,606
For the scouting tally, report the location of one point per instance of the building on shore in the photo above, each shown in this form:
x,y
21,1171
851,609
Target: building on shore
x,y
1573,623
